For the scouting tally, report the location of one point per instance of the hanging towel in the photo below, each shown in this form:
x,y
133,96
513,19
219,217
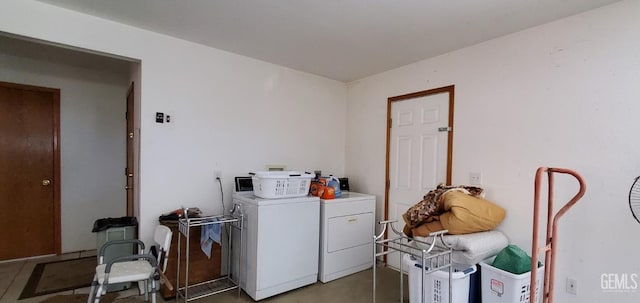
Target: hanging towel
x,y
209,233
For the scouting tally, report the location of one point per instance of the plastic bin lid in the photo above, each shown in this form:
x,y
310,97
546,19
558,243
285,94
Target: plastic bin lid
x,y
106,223
458,270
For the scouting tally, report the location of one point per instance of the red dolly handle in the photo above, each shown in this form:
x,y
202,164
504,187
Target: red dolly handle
x,y
552,231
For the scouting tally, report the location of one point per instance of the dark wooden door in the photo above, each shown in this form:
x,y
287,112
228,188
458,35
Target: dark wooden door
x,y
130,158
29,171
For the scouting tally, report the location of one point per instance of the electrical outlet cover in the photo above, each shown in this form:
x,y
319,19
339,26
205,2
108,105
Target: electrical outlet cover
x,y
572,286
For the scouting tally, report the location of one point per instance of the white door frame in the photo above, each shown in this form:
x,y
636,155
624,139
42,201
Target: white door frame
x,y
447,89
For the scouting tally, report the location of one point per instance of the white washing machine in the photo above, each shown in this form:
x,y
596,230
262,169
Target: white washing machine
x,y
280,243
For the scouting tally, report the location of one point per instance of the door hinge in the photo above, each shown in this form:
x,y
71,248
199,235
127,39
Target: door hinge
x,y
126,115
388,183
390,122
444,129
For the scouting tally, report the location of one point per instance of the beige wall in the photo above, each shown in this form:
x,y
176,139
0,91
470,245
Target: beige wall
x,y
229,113
564,94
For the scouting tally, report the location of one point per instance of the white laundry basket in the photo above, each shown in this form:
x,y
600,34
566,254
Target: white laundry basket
x,y
499,286
281,184
437,283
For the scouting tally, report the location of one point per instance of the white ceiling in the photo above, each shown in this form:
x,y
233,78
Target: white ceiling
x,y
343,40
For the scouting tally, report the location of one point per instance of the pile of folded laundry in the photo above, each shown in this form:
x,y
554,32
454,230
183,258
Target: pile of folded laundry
x,y
468,217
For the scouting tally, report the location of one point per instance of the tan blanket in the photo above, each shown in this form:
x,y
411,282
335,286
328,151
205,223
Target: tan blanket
x,y
462,214
432,205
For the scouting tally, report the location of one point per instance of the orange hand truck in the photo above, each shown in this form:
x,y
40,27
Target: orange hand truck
x,y
552,231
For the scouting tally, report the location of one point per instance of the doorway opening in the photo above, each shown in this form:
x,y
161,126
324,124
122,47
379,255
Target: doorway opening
x,y
93,128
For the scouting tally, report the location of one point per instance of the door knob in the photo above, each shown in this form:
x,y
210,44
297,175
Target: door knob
x,y
46,182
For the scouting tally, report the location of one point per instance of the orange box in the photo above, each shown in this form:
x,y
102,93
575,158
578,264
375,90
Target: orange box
x,y
329,193
317,187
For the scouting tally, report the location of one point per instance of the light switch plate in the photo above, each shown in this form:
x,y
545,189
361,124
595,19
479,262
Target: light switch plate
x,y
475,178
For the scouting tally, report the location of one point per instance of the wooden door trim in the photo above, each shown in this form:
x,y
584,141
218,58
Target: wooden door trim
x,y
56,157
450,89
130,147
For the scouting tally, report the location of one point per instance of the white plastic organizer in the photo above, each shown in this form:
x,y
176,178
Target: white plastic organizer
x,y
281,184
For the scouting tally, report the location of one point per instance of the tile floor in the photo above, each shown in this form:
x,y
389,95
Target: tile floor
x,y
353,288
15,274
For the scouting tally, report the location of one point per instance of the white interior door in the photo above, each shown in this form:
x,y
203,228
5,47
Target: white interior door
x,y
417,154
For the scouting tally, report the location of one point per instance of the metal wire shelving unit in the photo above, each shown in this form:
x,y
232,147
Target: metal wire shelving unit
x,y
434,257
218,285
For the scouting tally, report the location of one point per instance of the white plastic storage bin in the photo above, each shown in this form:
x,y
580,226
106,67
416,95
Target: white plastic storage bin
x,y
499,286
281,184
436,283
